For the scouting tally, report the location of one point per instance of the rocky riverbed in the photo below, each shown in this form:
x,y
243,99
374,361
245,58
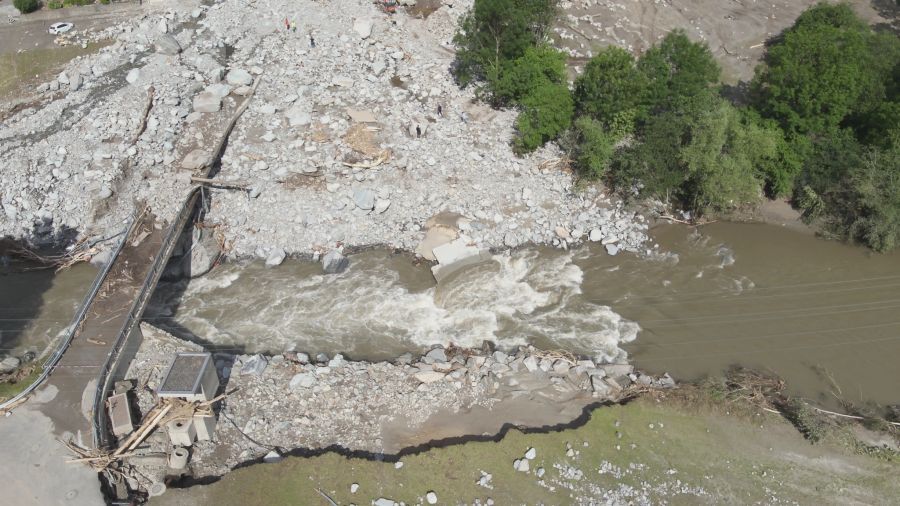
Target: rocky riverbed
x,y
294,401
356,135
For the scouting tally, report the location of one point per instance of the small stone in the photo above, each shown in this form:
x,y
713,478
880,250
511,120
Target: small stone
x,y
207,101
428,376
302,380
596,235
540,472
398,464
531,454
364,198
273,457
382,205
431,497
612,250
354,487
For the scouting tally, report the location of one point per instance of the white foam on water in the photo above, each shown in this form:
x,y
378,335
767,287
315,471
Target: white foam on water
x,y
513,300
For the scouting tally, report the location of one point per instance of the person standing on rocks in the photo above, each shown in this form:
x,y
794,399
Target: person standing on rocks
x,y
287,24
294,26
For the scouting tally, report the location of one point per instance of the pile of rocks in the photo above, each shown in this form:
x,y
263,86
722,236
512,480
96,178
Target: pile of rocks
x,y
356,135
293,400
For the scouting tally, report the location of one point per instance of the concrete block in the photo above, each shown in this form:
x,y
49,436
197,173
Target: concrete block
x,y
205,426
182,432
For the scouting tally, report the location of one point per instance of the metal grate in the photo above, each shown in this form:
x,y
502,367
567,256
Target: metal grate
x,y
183,376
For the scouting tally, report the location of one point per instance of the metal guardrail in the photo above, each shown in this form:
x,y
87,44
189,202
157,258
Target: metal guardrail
x,y
54,359
106,377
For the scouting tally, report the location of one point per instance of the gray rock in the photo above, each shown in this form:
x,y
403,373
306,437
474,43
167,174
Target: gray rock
x,y
530,363
75,82
220,90
531,454
303,380
239,77
195,159
382,205
9,364
429,376
273,457
297,116
334,262
501,357
596,235
431,497
207,102
405,359
321,358
133,76
437,355
381,501
521,465
254,365
63,78
166,44
276,257
364,198
612,249
363,27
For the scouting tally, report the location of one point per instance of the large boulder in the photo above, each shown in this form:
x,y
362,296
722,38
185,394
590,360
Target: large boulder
x,y
166,44
9,364
239,77
334,262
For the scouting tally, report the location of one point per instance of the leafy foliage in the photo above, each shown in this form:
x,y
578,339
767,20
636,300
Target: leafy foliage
x,y
817,73
677,70
26,6
496,32
610,86
539,65
546,112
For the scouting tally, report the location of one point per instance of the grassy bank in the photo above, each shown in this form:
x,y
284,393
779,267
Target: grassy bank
x,y
9,390
644,451
30,68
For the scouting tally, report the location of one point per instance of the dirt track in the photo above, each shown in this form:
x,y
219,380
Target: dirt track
x,y
735,29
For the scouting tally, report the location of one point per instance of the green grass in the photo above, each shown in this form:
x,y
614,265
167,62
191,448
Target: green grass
x,y
36,65
9,390
730,458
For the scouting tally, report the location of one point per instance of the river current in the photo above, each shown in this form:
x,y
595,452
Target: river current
x,y
822,315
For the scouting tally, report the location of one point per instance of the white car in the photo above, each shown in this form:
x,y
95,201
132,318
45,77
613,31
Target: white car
x,y
57,28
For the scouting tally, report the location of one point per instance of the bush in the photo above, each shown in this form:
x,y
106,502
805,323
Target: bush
x,y
26,6
54,4
546,113
804,419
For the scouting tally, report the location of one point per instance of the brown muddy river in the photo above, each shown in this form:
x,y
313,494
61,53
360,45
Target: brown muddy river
x,y
823,315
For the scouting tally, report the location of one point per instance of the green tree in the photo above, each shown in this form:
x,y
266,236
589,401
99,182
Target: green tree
x,y
707,155
677,70
816,74
495,32
538,66
26,6
610,86
545,113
